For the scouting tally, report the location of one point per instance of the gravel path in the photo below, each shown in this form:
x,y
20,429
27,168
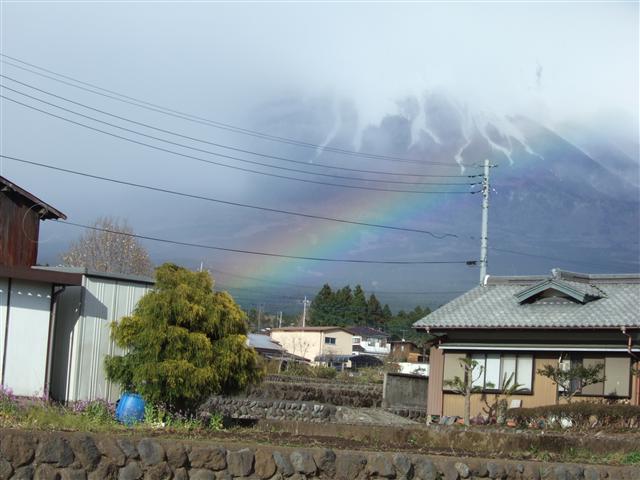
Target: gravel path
x,y
370,416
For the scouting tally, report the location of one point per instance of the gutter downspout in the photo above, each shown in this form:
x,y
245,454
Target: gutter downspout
x,y
623,329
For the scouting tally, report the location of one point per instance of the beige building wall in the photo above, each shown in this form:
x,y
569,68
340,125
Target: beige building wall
x,y
311,343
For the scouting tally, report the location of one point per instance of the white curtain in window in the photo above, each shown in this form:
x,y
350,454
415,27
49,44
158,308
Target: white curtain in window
x,y
525,371
492,373
508,370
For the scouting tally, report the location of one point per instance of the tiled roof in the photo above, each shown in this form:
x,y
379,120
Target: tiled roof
x,y
309,329
366,332
614,301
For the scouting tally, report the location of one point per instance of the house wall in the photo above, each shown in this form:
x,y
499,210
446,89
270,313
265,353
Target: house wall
x,y
436,371
25,310
83,337
380,345
310,344
543,390
19,228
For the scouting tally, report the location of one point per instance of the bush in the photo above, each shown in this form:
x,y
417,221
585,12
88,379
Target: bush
x,y
184,342
303,370
581,415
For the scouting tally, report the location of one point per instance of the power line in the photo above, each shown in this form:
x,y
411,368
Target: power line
x,y
202,120
251,152
201,150
225,202
268,254
359,187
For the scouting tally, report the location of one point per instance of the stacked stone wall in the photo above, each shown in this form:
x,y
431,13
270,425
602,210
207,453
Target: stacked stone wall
x,y
68,456
324,391
254,409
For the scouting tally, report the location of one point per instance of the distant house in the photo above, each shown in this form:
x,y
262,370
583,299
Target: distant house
x,y
329,346
370,341
409,357
513,326
405,350
54,321
269,349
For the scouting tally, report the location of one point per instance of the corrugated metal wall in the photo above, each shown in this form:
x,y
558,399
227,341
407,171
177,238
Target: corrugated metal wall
x,y
103,301
67,315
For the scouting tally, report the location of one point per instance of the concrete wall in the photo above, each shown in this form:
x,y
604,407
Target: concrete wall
x,y
33,454
402,390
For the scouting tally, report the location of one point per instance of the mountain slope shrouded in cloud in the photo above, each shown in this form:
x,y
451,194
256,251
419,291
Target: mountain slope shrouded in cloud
x,y
551,198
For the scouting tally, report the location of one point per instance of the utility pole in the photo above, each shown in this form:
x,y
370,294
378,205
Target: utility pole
x,y
305,304
485,222
260,307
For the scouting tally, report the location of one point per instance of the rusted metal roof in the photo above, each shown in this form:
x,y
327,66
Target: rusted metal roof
x,y
38,275
46,211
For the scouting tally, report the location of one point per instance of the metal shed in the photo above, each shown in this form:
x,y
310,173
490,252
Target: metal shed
x,y
28,299
81,335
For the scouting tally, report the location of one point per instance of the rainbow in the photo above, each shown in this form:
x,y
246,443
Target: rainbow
x,y
327,239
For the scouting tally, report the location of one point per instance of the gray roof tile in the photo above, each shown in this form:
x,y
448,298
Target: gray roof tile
x,y
495,305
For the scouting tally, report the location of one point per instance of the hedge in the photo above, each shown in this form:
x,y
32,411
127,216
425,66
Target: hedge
x,y
580,415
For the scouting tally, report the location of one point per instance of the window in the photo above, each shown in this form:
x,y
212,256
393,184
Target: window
x,y
493,370
383,343
616,372
330,340
356,339
371,342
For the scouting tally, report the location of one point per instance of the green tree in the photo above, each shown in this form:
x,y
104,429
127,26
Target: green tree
x,y
343,307
386,313
184,342
322,307
358,307
375,312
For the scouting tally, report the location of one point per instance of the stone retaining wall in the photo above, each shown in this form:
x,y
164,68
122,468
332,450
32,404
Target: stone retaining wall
x,y
481,440
76,456
250,408
333,393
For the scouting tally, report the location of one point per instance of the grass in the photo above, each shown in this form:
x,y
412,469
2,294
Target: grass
x,y
94,416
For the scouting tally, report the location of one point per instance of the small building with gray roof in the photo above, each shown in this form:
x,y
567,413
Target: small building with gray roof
x,y
514,326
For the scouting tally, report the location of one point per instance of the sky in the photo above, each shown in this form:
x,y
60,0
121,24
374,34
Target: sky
x,y
319,72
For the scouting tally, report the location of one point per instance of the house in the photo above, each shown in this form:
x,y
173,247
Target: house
x,y
329,346
514,326
407,351
54,321
370,341
409,357
269,349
